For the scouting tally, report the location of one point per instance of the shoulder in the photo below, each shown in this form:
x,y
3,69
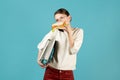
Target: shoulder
x,y
78,30
47,35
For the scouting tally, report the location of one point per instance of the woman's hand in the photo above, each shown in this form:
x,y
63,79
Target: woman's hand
x,y
68,29
42,65
38,60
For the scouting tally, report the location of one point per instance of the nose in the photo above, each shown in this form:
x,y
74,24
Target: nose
x,y
59,20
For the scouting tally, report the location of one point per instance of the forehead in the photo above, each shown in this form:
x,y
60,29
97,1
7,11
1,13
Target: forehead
x,y
57,16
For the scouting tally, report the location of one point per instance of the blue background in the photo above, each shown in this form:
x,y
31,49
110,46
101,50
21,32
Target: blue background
x,y
23,24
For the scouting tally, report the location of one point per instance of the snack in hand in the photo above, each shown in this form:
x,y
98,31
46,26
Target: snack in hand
x,y
58,25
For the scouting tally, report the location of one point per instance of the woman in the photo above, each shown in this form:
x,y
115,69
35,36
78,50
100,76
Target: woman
x,y
68,43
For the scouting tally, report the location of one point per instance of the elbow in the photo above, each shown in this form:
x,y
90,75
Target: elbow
x,y
73,51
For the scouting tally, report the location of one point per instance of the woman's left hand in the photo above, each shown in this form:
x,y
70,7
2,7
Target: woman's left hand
x,y
68,29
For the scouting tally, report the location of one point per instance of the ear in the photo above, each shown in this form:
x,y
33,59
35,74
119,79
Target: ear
x,y
70,18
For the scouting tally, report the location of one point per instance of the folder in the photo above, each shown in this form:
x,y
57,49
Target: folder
x,y
47,52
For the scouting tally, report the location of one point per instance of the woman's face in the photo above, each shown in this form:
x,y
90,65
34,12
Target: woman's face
x,y
62,18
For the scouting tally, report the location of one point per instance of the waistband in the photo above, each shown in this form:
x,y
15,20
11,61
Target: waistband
x,y
57,70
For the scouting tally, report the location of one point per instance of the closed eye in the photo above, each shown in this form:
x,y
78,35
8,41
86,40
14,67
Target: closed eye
x,y
56,20
61,17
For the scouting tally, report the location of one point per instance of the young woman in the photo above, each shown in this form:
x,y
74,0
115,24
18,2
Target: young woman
x,y
68,43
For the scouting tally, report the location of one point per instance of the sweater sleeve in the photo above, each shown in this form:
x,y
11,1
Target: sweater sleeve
x,y
49,35
77,42
41,44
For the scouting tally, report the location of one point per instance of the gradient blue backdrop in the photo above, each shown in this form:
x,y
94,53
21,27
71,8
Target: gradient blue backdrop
x,y
23,24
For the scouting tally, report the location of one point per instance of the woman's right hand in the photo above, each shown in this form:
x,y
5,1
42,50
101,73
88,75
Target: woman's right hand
x,y
42,65
38,60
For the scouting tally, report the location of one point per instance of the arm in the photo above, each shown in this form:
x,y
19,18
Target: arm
x,y
71,40
77,42
41,46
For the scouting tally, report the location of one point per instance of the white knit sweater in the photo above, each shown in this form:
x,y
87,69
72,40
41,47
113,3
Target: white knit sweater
x,y
64,57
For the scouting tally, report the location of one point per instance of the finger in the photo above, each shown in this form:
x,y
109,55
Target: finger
x,y
47,65
44,66
61,27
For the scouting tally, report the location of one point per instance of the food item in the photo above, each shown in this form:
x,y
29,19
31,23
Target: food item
x,y
58,25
